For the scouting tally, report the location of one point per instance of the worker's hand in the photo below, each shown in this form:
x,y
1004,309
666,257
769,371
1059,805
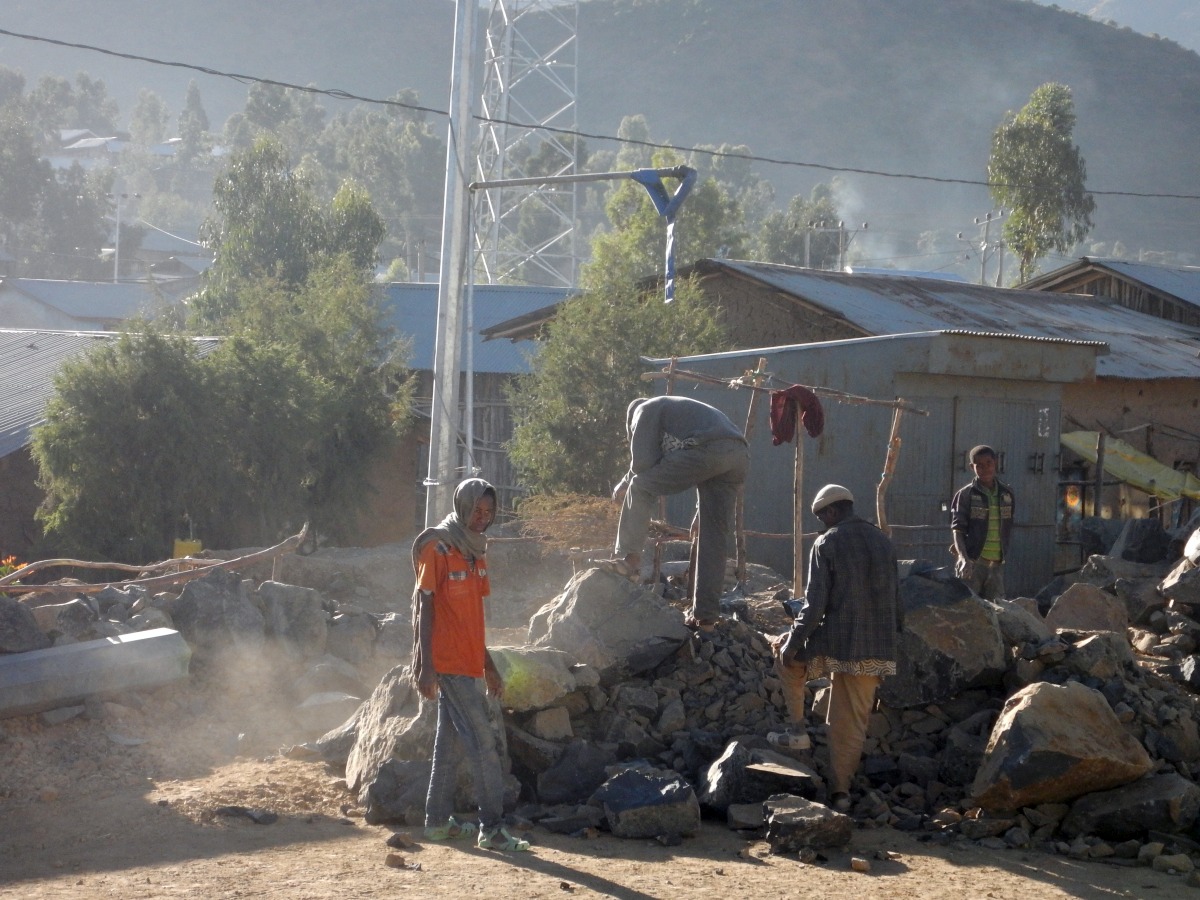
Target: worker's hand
x,y
787,647
618,493
495,684
491,676
964,567
426,678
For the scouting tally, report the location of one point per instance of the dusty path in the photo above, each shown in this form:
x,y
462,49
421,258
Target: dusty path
x,y
160,839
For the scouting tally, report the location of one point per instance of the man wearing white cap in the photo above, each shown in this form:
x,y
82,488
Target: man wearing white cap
x,y
847,628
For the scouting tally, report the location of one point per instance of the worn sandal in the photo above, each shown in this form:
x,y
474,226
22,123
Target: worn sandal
x,y
703,626
499,839
452,830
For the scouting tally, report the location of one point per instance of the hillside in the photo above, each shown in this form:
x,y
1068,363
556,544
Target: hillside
x,y
900,86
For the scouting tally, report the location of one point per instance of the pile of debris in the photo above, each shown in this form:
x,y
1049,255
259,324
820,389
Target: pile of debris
x,y
1065,723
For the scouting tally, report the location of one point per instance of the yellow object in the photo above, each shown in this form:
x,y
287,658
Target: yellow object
x,y
186,548
1134,467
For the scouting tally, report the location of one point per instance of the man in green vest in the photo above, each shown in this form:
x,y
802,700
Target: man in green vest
x,y
981,517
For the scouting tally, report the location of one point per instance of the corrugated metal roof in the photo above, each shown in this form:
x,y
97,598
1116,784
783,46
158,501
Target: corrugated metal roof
x,y
1182,282
412,310
29,360
88,300
1142,346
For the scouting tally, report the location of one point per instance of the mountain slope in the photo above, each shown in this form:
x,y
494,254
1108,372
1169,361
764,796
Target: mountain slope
x,y
903,86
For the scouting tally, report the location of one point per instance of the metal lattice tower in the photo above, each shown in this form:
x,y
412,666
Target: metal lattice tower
x,y
526,235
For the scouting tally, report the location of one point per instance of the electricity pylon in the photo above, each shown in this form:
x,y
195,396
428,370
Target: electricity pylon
x,y
527,234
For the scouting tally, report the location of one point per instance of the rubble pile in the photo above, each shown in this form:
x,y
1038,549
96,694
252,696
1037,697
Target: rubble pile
x,y
1064,723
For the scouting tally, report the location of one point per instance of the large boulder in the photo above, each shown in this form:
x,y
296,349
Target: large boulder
x,y
1167,803
214,614
1182,584
1085,607
794,823
951,642
393,722
610,624
1053,743
1142,540
538,677
295,616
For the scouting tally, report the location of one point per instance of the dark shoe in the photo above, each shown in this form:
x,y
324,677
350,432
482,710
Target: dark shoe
x,y
840,802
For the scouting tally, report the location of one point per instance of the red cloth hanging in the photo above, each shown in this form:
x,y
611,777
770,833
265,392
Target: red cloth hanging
x,y
784,407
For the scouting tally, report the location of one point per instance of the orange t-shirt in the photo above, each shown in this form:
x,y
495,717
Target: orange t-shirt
x,y
458,589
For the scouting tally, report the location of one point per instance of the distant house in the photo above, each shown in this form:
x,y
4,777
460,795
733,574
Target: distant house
x,y
53,305
30,358
1146,388
1169,292
161,255
969,388
88,152
412,310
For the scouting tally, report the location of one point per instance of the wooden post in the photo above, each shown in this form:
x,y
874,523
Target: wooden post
x,y
739,527
889,469
798,537
1099,489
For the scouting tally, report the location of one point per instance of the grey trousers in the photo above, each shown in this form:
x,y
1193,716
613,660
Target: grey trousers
x,y
716,470
987,579
463,725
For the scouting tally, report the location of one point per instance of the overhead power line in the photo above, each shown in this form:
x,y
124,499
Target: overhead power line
x,y
338,94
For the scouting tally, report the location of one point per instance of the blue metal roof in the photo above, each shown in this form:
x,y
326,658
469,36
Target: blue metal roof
x,y
91,301
411,309
1181,282
1142,346
29,360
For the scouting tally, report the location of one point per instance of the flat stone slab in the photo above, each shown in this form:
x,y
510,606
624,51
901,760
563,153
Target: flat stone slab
x,y
61,676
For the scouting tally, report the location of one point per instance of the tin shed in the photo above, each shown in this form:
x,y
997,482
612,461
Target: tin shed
x,y
1001,389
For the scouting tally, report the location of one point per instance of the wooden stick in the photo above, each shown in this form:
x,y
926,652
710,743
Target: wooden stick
x,y
839,396
889,469
174,578
739,526
798,526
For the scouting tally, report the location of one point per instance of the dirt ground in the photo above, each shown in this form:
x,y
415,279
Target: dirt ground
x,y
127,801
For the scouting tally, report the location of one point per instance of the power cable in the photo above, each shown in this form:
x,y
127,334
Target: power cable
x,y
338,94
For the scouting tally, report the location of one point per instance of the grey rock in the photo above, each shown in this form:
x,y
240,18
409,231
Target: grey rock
x,y
794,823
578,772
351,637
295,615
19,631
1167,803
638,805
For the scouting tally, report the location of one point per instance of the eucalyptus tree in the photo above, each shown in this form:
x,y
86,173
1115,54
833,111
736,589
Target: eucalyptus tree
x,y
1038,173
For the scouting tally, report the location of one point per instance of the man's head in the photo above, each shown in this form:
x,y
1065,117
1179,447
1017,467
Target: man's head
x,y
832,504
629,413
983,464
475,504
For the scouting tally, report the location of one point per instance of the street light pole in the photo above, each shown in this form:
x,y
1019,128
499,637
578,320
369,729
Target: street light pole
x,y
442,476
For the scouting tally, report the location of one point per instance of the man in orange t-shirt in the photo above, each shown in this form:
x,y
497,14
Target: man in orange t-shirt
x,y
449,659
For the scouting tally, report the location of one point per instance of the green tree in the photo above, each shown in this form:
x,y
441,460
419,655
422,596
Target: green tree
x,y
277,426
194,139
51,222
791,237
125,448
268,223
1038,173
569,433
148,123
